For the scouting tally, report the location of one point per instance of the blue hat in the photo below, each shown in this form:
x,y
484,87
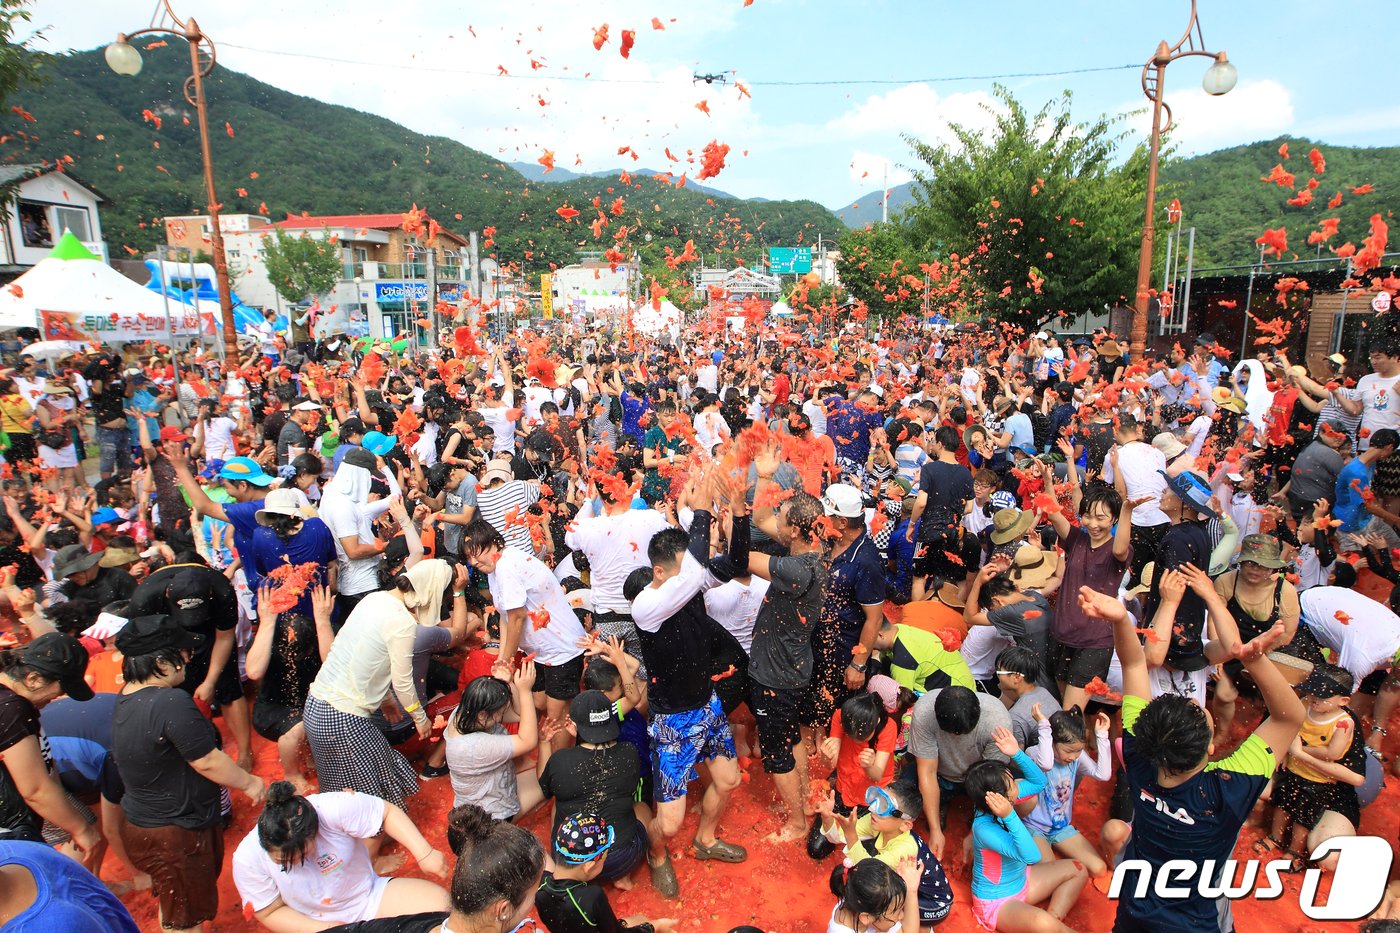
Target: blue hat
x,y
716,356
1003,499
583,838
211,469
246,469
378,443
1193,491
106,516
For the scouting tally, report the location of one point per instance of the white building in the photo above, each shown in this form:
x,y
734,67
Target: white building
x,y
46,202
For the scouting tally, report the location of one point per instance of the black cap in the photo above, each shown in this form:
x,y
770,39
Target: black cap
x,y
62,657
1326,681
148,634
190,598
595,719
359,457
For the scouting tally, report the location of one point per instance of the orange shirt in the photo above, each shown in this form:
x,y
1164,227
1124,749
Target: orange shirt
x,y
820,455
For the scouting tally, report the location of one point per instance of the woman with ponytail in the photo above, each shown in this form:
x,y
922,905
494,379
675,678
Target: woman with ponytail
x,y
306,862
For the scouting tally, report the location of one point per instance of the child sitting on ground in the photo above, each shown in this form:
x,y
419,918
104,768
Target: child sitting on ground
x,y
1060,753
872,896
886,832
1301,791
568,901
1008,875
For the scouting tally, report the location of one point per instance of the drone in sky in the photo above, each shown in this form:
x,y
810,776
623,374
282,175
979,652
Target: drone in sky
x,y
722,78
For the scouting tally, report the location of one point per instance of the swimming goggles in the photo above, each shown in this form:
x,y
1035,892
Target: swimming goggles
x,y
881,804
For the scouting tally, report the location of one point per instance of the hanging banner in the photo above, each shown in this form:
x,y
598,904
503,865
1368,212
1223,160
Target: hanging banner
x,y
117,327
547,296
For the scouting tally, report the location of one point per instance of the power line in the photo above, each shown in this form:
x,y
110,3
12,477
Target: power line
x,y
559,76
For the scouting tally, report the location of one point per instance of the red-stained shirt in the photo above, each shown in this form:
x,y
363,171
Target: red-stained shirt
x,y
851,779
782,388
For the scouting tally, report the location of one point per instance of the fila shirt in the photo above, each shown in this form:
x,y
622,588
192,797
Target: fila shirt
x,y
1199,819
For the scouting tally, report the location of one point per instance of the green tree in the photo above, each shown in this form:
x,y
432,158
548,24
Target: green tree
x,y
880,266
1036,217
301,267
18,67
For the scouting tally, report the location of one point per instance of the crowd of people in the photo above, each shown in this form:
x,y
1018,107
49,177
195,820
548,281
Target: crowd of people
x,y
904,571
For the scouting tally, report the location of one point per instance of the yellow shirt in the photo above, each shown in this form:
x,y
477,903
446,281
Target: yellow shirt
x,y
1314,735
16,417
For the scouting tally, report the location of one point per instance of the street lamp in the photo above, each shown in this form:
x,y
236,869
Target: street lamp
x,y
123,58
1219,79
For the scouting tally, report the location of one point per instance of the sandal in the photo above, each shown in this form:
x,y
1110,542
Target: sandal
x,y
1266,844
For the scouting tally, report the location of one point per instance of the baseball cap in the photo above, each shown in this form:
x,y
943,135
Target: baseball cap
x,y
169,433
149,634
583,838
306,405
246,469
190,598
887,689
63,658
378,443
106,516
595,719
1326,681
1338,359
843,500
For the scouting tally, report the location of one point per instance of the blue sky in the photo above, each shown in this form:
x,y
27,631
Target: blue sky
x,y
1302,67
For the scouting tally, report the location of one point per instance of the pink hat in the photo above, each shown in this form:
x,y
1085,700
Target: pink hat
x,y
886,689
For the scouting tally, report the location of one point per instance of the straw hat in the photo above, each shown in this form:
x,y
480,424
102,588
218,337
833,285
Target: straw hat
x,y
1032,568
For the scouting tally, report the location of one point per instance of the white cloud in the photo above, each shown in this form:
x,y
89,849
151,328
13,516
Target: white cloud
x,y
1254,110
918,110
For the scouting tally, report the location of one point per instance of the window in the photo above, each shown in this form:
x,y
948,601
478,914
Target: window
x,y
34,224
74,219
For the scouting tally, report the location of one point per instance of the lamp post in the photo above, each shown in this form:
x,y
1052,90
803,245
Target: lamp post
x,y
1220,77
123,58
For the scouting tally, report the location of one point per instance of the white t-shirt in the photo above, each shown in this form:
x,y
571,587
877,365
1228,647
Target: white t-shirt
x,y
707,378
1139,463
336,884
813,409
535,396
218,438
483,771
1379,407
31,389
735,606
710,429
347,520
971,386
836,926
980,649
552,631
615,545
1197,432
1365,642
504,427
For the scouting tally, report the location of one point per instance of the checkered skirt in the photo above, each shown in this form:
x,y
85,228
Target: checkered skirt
x,y
352,754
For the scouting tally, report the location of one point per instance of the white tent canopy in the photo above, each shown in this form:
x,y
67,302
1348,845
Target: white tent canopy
x,y
73,295
780,309
650,321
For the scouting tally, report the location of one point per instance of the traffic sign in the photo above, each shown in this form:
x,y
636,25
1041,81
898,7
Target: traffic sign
x,y
785,260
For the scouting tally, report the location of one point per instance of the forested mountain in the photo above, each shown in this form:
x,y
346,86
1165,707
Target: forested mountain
x,y
136,141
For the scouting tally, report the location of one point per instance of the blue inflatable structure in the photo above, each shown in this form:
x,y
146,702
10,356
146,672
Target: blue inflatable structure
x,y
205,288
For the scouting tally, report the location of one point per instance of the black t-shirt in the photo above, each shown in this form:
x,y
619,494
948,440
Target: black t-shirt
x,y
1097,439
27,572
273,424
568,906
156,732
604,781
948,486
110,585
781,652
109,404
18,721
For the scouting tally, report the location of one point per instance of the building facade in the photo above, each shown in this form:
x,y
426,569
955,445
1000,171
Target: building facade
x,y
389,278
46,202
